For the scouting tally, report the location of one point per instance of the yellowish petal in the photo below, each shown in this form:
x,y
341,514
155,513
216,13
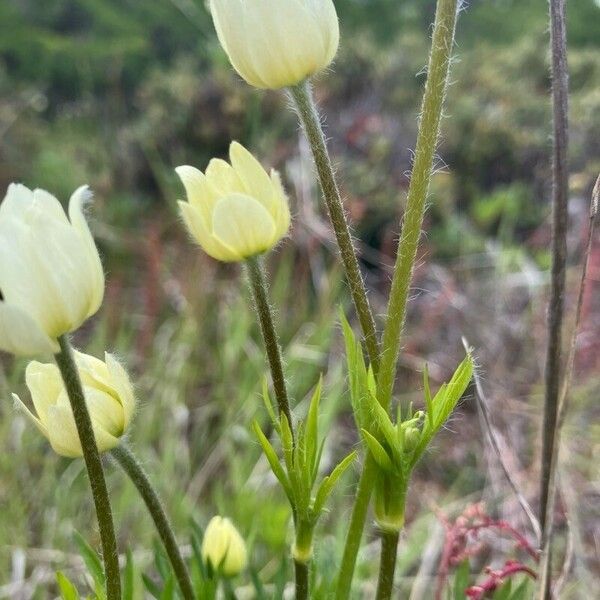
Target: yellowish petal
x,y
122,386
200,192
254,178
243,224
212,246
21,406
223,177
45,386
21,335
95,274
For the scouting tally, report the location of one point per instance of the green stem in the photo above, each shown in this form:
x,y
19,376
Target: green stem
x,y
302,580
139,478
431,114
267,327
309,117
68,370
387,566
355,530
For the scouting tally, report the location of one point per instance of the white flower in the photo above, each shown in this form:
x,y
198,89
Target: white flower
x,y
108,395
277,43
51,278
234,211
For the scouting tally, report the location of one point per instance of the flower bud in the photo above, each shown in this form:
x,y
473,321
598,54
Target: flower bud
x,y
108,395
274,44
234,211
51,278
223,547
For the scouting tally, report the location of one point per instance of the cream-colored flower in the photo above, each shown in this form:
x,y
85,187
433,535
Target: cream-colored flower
x,y
108,394
274,43
224,548
234,211
51,278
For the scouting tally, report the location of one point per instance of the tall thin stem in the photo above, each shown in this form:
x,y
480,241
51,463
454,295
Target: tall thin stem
x,y
68,370
554,353
309,118
302,579
387,566
128,462
431,114
267,327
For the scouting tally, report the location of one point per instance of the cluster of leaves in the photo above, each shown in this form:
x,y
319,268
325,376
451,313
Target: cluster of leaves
x,y
302,457
397,447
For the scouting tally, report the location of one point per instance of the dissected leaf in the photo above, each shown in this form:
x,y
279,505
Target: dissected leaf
x,y
328,483
379,454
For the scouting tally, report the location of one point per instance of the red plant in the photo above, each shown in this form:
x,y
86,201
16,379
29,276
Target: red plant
x,y
462,543
497,578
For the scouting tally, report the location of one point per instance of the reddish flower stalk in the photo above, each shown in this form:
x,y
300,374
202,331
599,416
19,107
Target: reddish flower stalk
x,y
496,578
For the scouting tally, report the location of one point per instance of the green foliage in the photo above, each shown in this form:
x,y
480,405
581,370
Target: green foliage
x,y
67,590
302,457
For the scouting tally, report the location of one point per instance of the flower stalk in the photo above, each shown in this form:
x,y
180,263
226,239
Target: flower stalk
x,y
431,114
387,566
302,579
269,334
66,364
311,123
134,470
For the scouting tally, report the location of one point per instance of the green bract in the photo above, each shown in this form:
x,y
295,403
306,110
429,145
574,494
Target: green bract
x,y
397,446
300,468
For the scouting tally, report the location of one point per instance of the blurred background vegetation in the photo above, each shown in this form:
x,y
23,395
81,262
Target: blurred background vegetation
x,y
116,93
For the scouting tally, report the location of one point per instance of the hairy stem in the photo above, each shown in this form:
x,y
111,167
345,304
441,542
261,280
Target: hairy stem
x,y
267,328
431,114
302,580
70,375
387,565
128,462
311,123
554,353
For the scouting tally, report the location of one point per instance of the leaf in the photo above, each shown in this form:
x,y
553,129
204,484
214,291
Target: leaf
x,y
273,461
269,404
93,564
287,443
461,580
67,590
427,391
259,588
385,425
379,454
129,577
152,587
168,592
523,591
312,426
504,591
328,483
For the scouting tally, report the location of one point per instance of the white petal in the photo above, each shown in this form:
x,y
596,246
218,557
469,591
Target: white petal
x,y
45,386
122,386
243,224
19,404
79,198
21,335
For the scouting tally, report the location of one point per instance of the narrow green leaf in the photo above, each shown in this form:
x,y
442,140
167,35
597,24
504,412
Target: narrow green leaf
x,y
168,592
273,460
93,564
67,590
428,399
461,580
328,483
287,443
379,454
523,590
312,426
385,425
504,591
151,587
128,577
269,404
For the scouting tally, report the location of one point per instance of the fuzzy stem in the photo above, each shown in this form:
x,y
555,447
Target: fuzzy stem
x,y
70,375
311,123
267,328
431,114
355,530
302,579
387,566
560,220
128,462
